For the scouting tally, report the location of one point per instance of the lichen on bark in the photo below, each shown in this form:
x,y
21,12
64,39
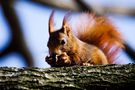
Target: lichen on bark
x,y
76,77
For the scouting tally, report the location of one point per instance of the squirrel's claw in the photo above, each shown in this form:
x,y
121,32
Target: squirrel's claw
x,y
87,64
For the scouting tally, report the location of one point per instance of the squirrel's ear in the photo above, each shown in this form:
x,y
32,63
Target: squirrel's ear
x,y
51,22
66,30
65,26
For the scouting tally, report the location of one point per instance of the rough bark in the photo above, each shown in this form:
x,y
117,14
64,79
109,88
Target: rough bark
x,y
77,78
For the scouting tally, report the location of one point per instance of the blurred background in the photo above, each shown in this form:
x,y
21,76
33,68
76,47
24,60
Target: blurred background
x,y
24,27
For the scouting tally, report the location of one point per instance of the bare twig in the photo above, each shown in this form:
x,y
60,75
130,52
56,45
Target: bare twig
x,y
129,51
83,6
17,43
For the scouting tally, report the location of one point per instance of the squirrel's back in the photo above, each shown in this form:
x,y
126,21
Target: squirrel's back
x,y
101,32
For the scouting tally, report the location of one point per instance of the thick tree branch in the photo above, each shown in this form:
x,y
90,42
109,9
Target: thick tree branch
x,y
93,77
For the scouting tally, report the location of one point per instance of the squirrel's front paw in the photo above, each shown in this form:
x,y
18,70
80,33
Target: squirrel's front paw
x,y
87,64
58,60
50,60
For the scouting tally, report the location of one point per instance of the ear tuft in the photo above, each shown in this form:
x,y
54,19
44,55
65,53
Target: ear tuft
x,y
51,22
65,26
66,19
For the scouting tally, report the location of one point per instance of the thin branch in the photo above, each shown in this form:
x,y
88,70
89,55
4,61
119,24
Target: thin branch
x,y
17,43
83,6
129,51
98,8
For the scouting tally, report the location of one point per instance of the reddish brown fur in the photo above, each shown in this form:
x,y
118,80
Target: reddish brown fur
x,y
102,34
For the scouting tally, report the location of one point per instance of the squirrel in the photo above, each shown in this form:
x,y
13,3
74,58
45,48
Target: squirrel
x,y
97,42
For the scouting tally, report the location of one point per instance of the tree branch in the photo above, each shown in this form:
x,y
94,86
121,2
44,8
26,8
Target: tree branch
x,y
129,51
17,43
93,77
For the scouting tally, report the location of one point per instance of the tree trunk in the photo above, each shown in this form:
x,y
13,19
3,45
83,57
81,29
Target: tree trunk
x,y
77,78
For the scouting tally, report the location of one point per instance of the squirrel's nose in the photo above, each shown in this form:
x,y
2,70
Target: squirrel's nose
x,y
55,52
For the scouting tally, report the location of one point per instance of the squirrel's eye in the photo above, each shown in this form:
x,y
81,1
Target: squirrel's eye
x,y
63,42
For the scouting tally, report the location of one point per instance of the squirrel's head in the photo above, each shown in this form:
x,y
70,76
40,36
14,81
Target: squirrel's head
x,y
59,40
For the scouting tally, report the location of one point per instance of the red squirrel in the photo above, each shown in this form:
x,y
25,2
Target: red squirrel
x,y
97,42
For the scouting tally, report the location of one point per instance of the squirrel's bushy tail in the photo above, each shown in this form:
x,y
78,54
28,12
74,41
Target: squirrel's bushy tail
x,y
100,32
